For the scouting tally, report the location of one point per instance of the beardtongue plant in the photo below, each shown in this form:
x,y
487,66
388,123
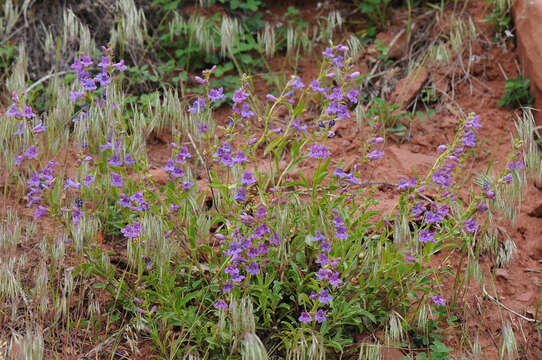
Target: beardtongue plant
x,y
257,246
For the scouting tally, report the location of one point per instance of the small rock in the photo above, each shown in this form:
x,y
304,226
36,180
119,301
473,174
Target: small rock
x,y
391,353
536,212
159,175
502,273
397,49
408,87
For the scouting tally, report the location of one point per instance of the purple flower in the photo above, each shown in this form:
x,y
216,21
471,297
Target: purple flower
x,y
77,215
375,154
328,53
187,185
305,317
13,111
39,128
116,180
216,94
240,195
124,201
441,148
197,106
325,297
338,221
270,97
404,184
238,278
88,180
253,268
322,259
239,157
28,112
115,160
318,151
469,138
72,184
120,65
263,249
353,95
246,112
297,83
261,231
183,155
432,218
239,96
129,160
438,300
353,75
105,63
376,140
515,165
473,124
86,60
334,279
261,212
326,245
202,127
246,219
89,85
274,239
338,60
132,231
323,274
318,236
221,305
340,234
426,235
315,86
320,316
199,80
103,79
470,225
40,212
227,287
31,153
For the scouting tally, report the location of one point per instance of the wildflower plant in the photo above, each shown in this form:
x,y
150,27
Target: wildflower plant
x,y
244,252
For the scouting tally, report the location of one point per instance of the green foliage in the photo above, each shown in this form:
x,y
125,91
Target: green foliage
x,y
500,16
250,5
8,54
377,11
516,93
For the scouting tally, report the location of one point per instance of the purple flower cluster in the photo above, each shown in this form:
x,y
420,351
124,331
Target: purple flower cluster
x,y
348,177
132,231
197,106
406,184
82,64
224,155
443,176
335,54
438,300
136,202
248,254
327,275
239,104
340,232
174,169
38,183
247,180
318,151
